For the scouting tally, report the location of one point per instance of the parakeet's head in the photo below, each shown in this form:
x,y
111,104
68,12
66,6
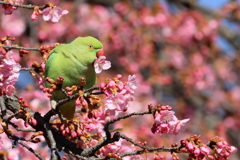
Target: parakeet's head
x,y
87,49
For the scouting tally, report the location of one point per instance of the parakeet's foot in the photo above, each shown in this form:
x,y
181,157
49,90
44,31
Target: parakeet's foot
x,y
53,104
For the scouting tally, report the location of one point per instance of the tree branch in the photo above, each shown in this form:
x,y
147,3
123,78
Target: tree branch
x,y
19,47
29,6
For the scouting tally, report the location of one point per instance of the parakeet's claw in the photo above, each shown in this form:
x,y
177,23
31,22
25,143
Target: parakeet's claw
x,y
53,104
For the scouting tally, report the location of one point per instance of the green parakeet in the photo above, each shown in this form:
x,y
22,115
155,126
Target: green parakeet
x,y
73,61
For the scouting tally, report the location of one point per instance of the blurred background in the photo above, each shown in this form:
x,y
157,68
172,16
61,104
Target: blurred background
x,y
185,53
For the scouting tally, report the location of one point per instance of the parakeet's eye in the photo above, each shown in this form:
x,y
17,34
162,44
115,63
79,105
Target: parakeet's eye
x,y
90,46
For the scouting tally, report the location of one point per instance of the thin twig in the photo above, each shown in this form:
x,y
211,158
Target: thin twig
x,y
92,89
64,92
69,98
21,129
27,69
29,6
31,150
108,134
145,148
19,47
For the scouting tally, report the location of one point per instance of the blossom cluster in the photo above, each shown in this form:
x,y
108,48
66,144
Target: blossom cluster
x,y
197,150
9,72
222,149
166,122
119,94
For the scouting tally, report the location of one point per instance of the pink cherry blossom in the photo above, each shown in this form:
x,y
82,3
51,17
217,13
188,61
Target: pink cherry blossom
x,y
101,64
119,94
92,125
53,14
115,103
177,126
132,82
167,123
205,150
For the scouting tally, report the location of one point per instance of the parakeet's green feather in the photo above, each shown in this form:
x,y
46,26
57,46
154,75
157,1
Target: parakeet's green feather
x,y
72,61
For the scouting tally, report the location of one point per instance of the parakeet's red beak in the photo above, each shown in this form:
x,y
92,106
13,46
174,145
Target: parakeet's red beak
x,y
100,53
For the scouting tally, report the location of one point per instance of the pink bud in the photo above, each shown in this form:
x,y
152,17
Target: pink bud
x,y
45,90
73,134
227,154
119,76
41,87
62,127
174,158
225,143
79,132
77,102
189,146
184,149
50,90
169,108
211,157
220,144
84,104
64,133
102,85
34,15
33,121
204,150
163,107
197,151
67,130
68,88
111,84
43,66
25,124
231,149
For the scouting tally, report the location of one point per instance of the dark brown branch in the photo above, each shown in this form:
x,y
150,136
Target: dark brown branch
x,y
3,109
13,105
54,153
108,134
150,149
92,150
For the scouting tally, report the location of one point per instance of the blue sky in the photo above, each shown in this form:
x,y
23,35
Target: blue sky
x,y
213,4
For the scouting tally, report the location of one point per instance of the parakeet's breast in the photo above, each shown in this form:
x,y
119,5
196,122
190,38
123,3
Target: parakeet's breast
x,y
71,70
